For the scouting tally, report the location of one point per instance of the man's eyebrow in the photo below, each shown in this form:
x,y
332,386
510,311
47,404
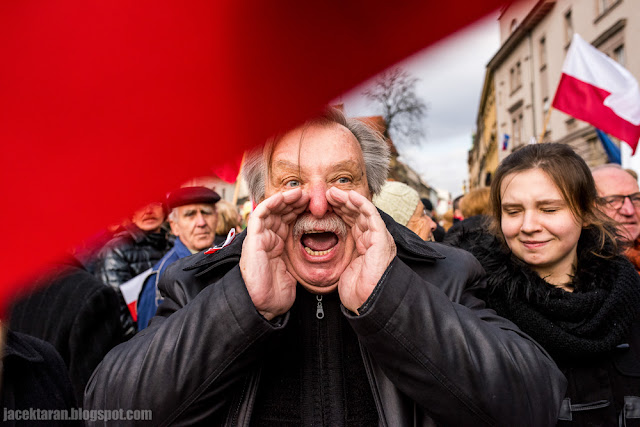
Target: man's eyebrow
x,y
345,164
285,164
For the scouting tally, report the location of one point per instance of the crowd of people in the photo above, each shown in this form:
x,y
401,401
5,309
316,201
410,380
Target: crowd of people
x,y
343,300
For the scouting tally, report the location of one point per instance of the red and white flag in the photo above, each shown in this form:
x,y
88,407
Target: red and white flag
x,y
596,89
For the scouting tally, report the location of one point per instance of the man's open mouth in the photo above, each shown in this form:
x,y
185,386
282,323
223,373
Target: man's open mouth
x,y
318,243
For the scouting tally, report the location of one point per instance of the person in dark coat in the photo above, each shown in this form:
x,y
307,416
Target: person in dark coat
x,y
438,233
34,377
325,311
135,248
555,269
475,210
77,314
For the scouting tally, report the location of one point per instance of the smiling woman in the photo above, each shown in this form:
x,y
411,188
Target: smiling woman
x,y
554,269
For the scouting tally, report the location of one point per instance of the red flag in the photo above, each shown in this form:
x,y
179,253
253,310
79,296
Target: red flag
x,y
105,105
596,89
229,169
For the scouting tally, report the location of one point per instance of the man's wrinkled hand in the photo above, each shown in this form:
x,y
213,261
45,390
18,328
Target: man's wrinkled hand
x,y
271,287
374,246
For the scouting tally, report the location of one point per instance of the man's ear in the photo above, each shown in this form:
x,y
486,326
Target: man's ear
x,y
175,230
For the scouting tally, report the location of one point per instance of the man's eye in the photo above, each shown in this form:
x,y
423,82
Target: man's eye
x,y
293,183
343,180
550,210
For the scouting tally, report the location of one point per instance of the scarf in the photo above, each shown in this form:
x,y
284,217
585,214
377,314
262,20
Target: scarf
x,y
591,320
633,253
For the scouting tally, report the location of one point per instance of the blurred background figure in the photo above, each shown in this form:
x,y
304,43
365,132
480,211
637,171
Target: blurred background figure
x,y
136,247
438,233
457,212
33,377
475,209
193,219
447,220
619,199
247,208
228,218
77,314
403,204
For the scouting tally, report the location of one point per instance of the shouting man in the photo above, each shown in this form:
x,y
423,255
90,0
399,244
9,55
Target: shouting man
x,y
327,312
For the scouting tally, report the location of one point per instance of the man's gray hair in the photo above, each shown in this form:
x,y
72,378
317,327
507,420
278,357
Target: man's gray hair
x,y
375,152
173,215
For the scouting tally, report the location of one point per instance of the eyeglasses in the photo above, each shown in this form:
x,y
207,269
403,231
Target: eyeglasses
x,y
616,201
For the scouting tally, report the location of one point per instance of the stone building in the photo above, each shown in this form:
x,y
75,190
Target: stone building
x,y
483,156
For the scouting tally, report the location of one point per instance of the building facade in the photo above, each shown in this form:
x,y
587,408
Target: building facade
x,y
535,37
483,156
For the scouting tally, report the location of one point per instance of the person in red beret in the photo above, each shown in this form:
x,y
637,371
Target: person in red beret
x,y
193,219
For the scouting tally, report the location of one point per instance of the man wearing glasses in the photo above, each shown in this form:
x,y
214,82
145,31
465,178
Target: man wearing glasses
x,y
619,192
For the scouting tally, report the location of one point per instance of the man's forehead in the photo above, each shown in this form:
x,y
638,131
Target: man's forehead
x,y
334,138
197,207
614,181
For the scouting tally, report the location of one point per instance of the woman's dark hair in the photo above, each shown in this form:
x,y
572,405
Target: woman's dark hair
x,y
571,175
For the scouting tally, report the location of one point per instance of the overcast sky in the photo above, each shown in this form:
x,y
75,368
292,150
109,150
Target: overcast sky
x,y
451,75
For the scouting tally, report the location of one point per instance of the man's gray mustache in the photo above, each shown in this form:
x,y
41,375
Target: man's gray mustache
x,y
331,222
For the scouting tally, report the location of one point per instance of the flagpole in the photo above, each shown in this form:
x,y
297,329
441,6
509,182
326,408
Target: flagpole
x,y
236,191
544,128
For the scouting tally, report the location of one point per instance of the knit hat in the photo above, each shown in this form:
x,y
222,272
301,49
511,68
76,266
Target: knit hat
x,y
398,200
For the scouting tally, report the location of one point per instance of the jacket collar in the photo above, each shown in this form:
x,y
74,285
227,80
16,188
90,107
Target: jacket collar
x,y
180,249
410,247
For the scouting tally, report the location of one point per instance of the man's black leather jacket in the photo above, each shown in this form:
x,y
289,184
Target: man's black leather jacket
x,y
434,354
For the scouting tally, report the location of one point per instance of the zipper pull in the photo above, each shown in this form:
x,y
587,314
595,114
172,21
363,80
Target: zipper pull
x,y
319,310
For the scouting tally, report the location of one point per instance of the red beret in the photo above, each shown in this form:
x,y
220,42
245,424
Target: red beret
x,y
191,195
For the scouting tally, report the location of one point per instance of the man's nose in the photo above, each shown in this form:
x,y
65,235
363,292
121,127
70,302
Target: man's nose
x,y
318,204
200,222
627,208
433,225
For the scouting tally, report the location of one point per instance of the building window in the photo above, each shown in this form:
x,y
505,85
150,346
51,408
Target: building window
x,y
604,5
568,27
613,46
618,54
515,77
544,81
512,79
517,127
543,52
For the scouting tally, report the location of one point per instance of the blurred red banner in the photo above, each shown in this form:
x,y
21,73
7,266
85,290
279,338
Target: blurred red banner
x,y
105,106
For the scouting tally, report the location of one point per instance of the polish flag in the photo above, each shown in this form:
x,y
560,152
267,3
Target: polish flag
x,y
596,89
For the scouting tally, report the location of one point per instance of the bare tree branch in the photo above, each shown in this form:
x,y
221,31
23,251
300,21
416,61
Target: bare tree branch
x,y
402,109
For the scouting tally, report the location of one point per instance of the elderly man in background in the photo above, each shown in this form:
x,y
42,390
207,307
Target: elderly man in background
x,y
620,197
327,312
403,204
193,219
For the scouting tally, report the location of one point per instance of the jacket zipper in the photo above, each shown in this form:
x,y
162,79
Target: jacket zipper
x,y
319,309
